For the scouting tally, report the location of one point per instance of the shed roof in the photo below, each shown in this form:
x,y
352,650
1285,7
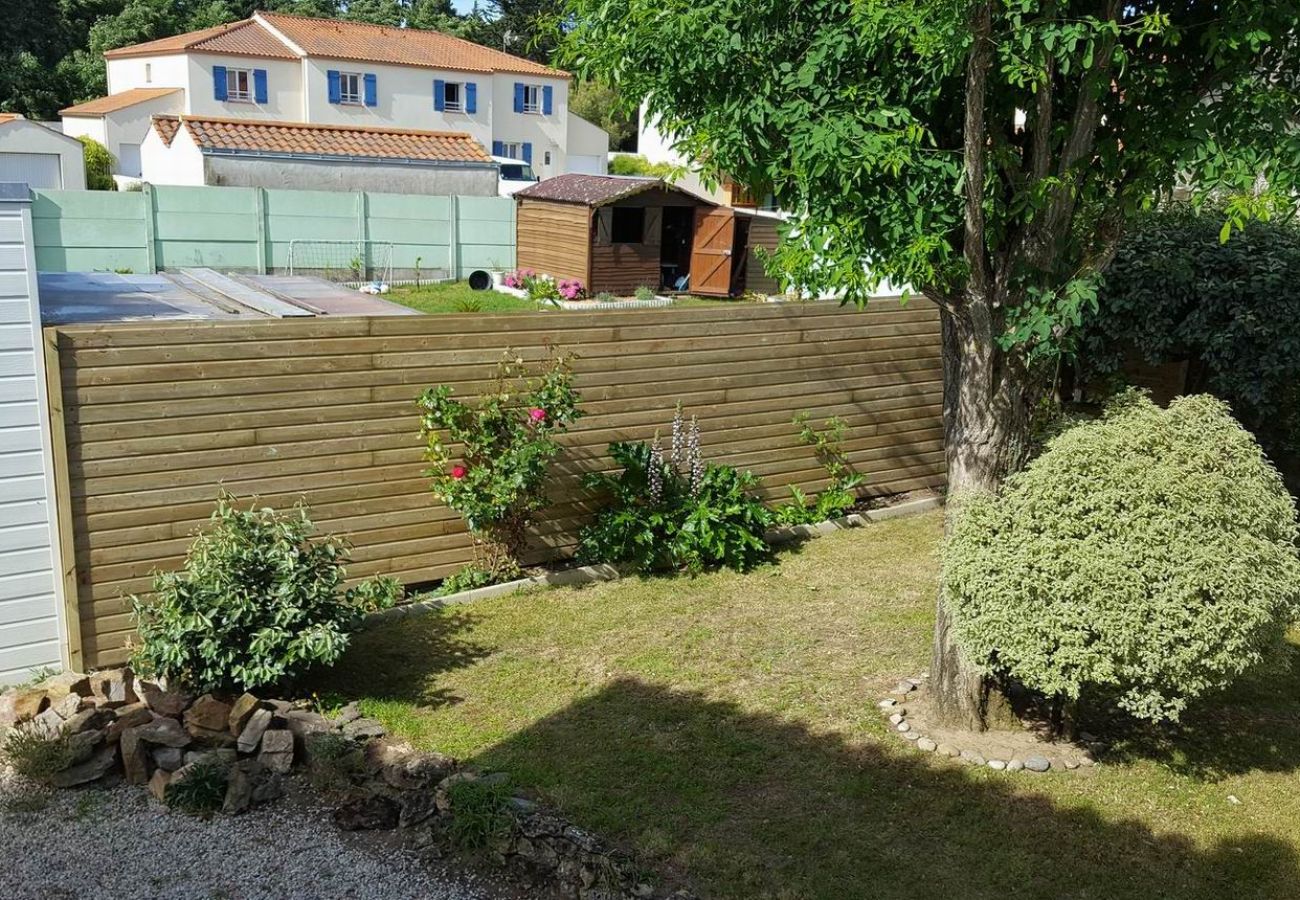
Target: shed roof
x,y
114,102
303,139
598,190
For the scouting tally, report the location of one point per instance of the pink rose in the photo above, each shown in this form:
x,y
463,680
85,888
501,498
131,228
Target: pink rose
x,y
537,415
458,472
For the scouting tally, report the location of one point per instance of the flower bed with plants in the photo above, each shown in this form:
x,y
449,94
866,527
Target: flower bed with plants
x,y
570,293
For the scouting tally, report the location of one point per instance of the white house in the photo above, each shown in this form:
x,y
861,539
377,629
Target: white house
x,y
38,156
282,68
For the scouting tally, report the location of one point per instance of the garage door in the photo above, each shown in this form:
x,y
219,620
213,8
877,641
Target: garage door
x,y
587,165
36,170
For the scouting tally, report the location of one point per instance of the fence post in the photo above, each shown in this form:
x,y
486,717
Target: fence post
x,y
363,232
453,237
150,227
259,210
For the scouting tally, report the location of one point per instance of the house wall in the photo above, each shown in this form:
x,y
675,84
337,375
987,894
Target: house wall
x,y
170,70
32,631
284,99
554,238
545,133
22,136
342,175
179,163
158,416
133,125
587,147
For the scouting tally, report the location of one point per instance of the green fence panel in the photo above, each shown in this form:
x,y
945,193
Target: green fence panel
x,y
89,231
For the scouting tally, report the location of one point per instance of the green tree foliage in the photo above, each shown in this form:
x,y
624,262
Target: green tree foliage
x,y
1176,292
99,165
635,164
527,28
257,601
600,105
988,152
1150,554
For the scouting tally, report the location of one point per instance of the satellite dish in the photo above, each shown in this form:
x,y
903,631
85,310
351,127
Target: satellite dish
x,y
509,38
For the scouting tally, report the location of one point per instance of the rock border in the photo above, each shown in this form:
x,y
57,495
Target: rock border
x,y
892,707
781,535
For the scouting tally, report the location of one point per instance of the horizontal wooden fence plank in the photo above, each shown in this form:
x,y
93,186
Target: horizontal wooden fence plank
x,y
160,416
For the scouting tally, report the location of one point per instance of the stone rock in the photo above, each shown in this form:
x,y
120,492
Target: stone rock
x,y
113,688
59,686
363,730
997,765
82,745
207,717
270,786
349,713
92,719
1037,763
280,706
1087,761
135,757
903,727
164,731
927,745
239,791
1015,765
887,703
972,757
48,723
129,716
251,736
417,807
521,806
904,687
168,758
443,792
99,765
241,712
163,701
220,756
370,813
1071,764
911,735
303,723
28,704
948,750
68,706
403,767
277,750
896,718
158,784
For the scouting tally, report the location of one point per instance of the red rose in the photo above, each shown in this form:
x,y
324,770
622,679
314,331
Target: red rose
x,y
458,472
537,414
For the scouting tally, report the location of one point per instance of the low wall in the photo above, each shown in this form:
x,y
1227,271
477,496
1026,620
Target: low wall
x,y
158,416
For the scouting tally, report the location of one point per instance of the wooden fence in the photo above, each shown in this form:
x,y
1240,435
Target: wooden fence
x,y
157,416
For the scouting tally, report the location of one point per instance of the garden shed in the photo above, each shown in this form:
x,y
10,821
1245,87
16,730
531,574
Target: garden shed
x,y
617,233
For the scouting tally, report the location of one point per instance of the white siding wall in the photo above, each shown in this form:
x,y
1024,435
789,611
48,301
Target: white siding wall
x,y
130,125
148,71
283,88
30,611
180,163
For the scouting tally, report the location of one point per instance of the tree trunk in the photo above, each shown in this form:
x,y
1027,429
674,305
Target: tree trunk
x,y
986,428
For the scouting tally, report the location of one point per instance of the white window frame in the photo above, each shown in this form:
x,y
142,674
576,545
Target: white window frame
x,y
457,105
516,146
355,97
148,73
532,99
233,92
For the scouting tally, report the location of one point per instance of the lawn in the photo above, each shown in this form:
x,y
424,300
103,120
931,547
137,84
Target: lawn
x,y
457,297
724,728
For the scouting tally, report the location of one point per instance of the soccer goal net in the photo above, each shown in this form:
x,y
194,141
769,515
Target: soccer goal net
x,y
345,262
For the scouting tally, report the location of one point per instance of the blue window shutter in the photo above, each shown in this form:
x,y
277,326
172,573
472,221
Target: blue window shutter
x,y
219,82
259,85
528,153
519,97
548,94
471,97
336,90
439,94
498,148
372,89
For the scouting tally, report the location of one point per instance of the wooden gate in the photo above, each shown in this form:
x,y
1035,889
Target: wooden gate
x,y
715,235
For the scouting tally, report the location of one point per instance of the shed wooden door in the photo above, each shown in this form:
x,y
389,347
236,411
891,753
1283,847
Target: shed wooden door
x,y
715,235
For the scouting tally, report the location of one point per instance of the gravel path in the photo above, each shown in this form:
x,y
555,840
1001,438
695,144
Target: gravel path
x,y
117,844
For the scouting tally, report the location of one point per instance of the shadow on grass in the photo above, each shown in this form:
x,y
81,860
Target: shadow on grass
x,y
756,807
1253,726
401,661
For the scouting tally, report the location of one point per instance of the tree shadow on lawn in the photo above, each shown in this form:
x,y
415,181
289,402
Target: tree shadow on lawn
x,y
1253,726
756,807
401,660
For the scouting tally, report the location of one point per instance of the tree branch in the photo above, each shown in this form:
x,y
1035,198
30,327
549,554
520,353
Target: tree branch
x,y
975,141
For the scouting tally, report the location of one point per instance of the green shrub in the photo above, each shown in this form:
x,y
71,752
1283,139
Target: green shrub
x,y
635,164
35,753
1149,555
1175,292
505,441
841,493
478,811
201,792
644,294
677,512
99,165
257,601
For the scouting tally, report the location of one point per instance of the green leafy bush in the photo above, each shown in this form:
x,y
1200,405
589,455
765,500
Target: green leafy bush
x,y
635,164
257,601
478,811
202,792
1150,555
99,165
841,493
35,753
1175,292
505,443
677,512
644,294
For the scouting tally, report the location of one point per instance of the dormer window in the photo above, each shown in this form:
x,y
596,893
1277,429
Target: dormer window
x,y
239,85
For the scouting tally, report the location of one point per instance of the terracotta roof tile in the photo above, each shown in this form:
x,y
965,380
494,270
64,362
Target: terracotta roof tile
x,y
360,41
114,102
323,140
245,37
593,190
